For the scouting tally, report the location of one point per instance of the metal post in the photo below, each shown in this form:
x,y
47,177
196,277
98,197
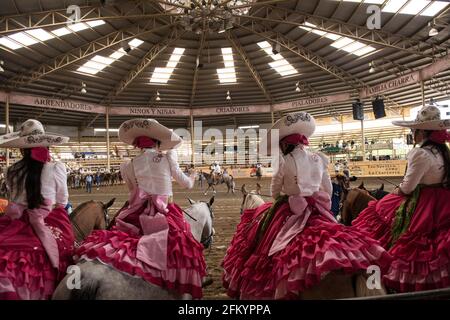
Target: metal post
x,y
422,87
272,114
7,126
108,166
363,142
192,139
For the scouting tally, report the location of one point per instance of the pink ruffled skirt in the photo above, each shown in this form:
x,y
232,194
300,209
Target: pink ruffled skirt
x,y
25,269
322,247
185,261
421,254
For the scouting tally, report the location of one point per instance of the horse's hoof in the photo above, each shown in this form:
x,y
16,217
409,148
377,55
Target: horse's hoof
x,y
207,282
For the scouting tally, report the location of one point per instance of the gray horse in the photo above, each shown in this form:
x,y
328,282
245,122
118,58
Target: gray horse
x,y
212,182
102,282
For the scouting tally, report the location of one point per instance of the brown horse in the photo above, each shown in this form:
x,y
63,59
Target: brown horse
x,y
89,216
335,285
355,201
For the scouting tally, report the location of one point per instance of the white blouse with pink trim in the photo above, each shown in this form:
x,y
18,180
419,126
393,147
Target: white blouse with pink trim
x,y
425,166
301,172
153,172
53,185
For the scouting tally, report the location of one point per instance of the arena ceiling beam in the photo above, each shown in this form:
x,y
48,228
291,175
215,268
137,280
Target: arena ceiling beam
x,y
151,55
53,18
85,51
377,37
237,46
269,34
272,36
195,77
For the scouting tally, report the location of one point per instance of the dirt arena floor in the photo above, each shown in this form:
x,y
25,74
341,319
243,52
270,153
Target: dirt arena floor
x,y
226,210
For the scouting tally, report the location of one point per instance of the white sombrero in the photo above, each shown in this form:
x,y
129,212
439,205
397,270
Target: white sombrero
x,y
30,135
428,118
296,122
131,129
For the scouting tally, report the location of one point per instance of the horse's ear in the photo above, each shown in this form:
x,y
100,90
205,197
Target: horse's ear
x,y
211,201
382,187
361,186
243,190
258,188
110,203
191,201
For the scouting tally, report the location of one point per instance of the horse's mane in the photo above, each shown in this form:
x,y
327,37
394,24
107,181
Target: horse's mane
x,y
79,208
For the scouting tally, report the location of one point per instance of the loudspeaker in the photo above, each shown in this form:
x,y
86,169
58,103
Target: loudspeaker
x,y
378,108
358,111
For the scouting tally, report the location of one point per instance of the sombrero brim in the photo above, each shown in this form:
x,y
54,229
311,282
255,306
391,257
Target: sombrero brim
x,y
152,129
426,125
14,140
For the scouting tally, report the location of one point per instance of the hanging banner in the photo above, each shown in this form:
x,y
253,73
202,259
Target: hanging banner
x,y
312,102
53,103
407,79
217,111
390,85
149,111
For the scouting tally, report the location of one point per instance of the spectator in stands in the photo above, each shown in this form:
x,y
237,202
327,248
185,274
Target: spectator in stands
x,y
89,183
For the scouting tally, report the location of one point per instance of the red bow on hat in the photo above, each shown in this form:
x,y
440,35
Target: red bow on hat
x,y
41,154
440,136
295,138
143,142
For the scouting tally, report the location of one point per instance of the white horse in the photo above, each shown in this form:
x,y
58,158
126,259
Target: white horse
x,y
102,282
336,284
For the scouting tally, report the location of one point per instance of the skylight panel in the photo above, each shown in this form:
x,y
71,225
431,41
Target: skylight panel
x,y
162,75
40,34
117,54
23,38
227,74
434,8
393,6
356,45
135,43
61,31
95,23
363,51
77,26
280,64
87,70
98,62
366,1
10,43
102,59
342,42
414,6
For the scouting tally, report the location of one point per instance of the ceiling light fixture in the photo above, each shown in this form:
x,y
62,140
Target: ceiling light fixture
x,y
83,88
1,66
209,16
297,87
158,98
371,66
433,31
228,95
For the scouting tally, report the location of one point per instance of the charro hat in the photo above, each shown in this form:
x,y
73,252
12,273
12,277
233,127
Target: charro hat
x,y
428,118
30,135
296,122
131,129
